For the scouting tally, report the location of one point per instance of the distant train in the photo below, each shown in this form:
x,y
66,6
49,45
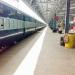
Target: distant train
x,y
15,25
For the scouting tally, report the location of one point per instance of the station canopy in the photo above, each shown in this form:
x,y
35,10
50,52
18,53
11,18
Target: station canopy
x,y
46,9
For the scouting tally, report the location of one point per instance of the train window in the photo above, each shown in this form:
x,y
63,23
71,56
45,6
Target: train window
x,y
31,19
1,23
12,13
19,15
1,9
19,24
6,24
15,23
26,18
11,24
32,24
27,24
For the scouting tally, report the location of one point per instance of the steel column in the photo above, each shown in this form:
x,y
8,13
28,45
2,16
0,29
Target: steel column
x,y
67,17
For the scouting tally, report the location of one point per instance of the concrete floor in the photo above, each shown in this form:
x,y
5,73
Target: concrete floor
x,y
54,59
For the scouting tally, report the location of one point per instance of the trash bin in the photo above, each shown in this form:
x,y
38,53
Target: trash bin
x,y
69,40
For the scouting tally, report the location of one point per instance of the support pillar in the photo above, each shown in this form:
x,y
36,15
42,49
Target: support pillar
x,y
67,17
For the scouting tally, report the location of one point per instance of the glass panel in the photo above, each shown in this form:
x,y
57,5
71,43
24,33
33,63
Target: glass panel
x,y
1,23
11,24
15,24
6,23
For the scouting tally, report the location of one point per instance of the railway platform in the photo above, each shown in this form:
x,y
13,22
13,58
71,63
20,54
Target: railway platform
x,y
39,54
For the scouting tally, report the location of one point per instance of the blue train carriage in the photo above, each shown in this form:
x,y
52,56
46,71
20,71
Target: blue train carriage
x,y
14,25
39,25
30,25
11,25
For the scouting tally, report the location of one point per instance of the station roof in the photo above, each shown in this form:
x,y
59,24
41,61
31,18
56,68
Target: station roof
x,y
72,9
47,8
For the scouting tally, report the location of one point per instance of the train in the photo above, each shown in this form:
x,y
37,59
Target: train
x,y
15,25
